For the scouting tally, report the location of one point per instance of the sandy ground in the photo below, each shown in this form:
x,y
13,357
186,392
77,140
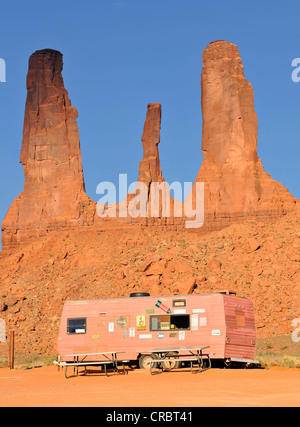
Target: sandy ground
x,y
48,387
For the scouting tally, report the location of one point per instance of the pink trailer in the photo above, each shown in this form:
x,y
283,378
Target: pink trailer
x,y
140,323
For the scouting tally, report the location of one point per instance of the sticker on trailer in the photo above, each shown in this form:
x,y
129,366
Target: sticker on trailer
x,y
198,310
181,335
145,336
164,326
141,323
121,322
216,332
194,322
111,327
150,310
160,335
202,321
179,311
159,304
131,332
95,337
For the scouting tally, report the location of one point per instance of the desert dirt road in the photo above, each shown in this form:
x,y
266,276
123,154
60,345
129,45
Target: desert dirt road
x,y
48,387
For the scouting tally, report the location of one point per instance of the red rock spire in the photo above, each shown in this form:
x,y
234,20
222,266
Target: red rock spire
x,y
236,186
54,193
149,168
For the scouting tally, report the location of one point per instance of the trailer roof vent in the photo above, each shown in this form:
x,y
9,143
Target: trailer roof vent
x,y
225,291
139,294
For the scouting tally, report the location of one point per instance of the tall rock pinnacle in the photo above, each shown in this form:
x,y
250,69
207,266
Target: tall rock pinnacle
x,y
149,169
150,175
54,193
236,186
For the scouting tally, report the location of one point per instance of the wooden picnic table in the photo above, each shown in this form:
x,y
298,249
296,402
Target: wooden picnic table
x,y
79,359
164,356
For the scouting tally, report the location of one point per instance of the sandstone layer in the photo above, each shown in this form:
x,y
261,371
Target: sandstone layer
x,y
54,192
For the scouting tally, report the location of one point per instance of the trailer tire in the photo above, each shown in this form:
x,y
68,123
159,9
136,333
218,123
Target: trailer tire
x,y
139,294
172,364
145,359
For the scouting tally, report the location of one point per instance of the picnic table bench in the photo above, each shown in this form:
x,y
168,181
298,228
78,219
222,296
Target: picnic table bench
x,y
79,359
163,358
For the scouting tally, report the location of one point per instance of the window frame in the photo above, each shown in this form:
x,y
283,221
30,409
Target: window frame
x,y
76,333
170,329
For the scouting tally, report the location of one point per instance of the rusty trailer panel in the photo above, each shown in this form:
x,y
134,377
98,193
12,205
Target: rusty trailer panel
x,y
241,332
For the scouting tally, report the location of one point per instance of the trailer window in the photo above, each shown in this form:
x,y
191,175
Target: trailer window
x,y
170,322
76,326
179,303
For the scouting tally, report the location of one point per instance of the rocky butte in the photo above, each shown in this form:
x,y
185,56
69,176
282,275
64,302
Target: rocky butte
x,y
236,187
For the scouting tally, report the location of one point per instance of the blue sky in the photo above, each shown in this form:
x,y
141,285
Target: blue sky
x,y
119,55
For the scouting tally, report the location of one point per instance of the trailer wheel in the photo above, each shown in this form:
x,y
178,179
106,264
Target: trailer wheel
x,y
145,359
172,364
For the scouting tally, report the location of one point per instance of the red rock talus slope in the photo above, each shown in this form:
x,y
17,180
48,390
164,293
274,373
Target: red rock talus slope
x,y
236,186
256,260
54,194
